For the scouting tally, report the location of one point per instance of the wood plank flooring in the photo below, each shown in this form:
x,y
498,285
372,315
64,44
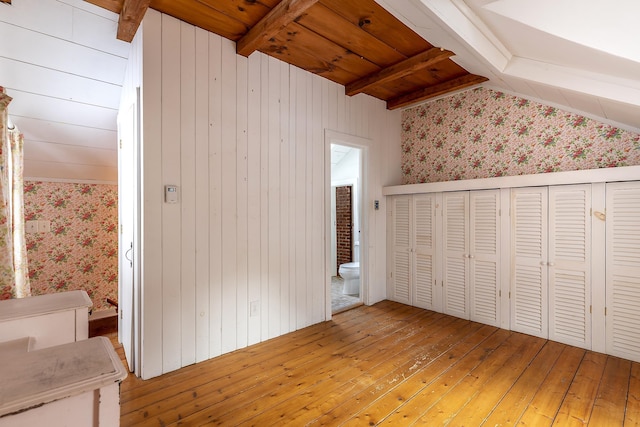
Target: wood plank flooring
x,y
391,364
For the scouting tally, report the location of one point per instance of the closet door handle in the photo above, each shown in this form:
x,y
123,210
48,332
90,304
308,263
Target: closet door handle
x,y
551,264
472,256
126,255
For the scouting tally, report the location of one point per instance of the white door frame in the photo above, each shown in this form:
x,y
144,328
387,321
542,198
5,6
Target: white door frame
x,y
364,145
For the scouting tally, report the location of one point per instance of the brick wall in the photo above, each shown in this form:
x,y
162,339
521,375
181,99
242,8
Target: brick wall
x,y
344,221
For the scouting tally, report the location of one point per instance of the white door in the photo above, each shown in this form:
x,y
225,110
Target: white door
x,y
127,193
455,254
401,249
424,244
623,269
529,228
484,257
569,265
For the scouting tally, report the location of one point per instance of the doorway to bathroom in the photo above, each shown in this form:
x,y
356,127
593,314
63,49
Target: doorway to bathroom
x,y
346,224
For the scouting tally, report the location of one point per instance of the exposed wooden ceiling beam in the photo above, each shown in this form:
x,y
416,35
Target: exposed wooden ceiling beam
x,y
130,18
272,23
435,90
5,1
401,69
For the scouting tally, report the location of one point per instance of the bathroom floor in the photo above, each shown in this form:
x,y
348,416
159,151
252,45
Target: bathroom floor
x,y
340,301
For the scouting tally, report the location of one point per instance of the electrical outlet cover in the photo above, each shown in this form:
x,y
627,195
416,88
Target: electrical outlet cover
x,y
31,227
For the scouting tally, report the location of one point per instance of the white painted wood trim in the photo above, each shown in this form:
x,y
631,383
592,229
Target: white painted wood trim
x,y
598,269
364,144
70,181
505,258
624,173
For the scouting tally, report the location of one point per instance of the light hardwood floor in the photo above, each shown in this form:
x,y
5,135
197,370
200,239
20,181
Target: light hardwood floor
x,y
395,365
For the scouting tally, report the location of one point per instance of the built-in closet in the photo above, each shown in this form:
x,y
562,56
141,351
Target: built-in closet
x,y
622,218
555,255
445,253
551,247
412,250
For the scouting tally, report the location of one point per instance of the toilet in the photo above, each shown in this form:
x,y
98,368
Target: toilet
x,y
350,272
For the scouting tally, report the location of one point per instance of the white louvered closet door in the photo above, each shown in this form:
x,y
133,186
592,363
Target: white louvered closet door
x,y
569,265
401,249
455,254
484,272
529,309
424,207
623,269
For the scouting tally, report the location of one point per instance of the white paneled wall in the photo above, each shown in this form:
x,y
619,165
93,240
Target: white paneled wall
x,y
63,66
243,139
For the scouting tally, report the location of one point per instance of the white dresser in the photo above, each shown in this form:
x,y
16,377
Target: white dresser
x,y
51,373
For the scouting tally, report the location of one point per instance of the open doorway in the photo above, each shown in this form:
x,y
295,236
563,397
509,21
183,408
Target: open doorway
x,y
345,230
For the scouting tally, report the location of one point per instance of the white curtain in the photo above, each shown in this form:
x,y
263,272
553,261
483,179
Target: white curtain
x,y
14,277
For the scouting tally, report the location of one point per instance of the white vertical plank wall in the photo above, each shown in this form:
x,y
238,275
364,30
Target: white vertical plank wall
x,y
151,255
253,197
242,192
202,197
171,213
215,192
243,139
188,191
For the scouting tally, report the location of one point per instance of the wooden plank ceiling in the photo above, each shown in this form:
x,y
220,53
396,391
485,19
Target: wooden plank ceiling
x,y
356,43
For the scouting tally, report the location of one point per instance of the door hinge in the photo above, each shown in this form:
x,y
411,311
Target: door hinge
x,y
590,309
499,293
605,311
121,144
509,294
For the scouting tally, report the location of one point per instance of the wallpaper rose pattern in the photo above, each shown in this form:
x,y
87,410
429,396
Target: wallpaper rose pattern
x,y
81,250
483,133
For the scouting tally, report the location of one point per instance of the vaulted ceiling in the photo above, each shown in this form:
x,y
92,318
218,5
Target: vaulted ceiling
x,y
355,43
580,56
63,64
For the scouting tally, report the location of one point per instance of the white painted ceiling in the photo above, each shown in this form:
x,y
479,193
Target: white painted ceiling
x,y
338,152
580,55
61,62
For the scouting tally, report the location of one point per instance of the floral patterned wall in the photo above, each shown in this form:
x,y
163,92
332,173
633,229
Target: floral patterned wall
x,y
81,249
483,133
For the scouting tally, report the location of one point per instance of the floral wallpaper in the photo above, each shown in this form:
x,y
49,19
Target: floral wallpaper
x,y
483,133
81,249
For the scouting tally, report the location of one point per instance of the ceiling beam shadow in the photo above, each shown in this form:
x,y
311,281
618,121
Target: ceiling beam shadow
x,y
401,69
458,83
